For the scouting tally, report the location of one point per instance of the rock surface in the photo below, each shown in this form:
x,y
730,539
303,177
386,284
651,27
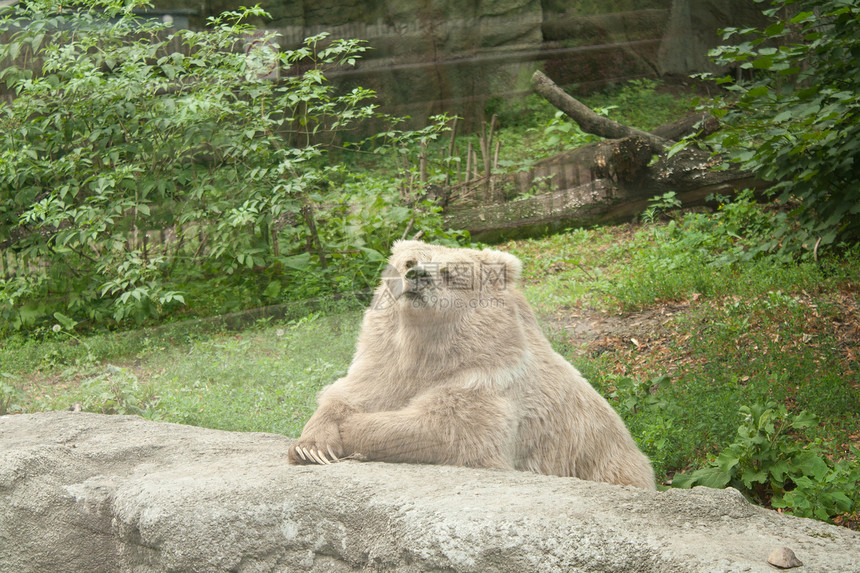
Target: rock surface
x,y
86,492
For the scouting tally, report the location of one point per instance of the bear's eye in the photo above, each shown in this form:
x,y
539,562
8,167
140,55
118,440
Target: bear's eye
x,y
410,264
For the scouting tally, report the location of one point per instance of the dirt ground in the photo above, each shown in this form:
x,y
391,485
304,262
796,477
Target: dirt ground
x,y
593,332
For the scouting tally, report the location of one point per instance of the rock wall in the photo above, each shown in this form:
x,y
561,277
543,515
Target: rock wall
x,y
86,492
431,56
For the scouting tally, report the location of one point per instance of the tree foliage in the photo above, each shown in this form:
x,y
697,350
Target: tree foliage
x,y
797,123
130,130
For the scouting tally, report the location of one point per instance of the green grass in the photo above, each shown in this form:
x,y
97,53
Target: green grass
x,y
258,380
264,378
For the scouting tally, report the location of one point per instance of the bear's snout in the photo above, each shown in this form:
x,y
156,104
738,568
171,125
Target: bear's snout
x,y
419,278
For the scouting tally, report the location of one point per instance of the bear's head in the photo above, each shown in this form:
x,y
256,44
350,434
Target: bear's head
x,y
421,277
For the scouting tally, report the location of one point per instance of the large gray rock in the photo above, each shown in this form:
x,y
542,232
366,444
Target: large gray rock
x,y
85,492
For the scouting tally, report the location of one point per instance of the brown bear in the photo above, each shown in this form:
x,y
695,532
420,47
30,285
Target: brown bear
x,y
451,367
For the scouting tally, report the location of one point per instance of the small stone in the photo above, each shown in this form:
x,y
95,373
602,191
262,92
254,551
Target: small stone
x,y
784,558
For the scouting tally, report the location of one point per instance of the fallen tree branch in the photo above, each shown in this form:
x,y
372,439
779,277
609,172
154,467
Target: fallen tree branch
x,y
698,125
589,121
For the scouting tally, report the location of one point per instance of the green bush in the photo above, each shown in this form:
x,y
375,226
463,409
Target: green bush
x,y
797,123
659,206
130,130
651,416
118,391
740,231
772,467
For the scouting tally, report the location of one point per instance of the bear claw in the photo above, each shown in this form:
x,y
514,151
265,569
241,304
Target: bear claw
x,y
331,453
314,456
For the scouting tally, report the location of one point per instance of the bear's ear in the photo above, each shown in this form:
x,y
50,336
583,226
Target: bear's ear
x,y
402,245
513,268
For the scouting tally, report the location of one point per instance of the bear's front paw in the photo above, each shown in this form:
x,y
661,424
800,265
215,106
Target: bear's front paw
x,y
320,447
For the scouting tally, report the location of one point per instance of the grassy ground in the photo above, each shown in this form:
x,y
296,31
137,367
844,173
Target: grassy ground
x,y
262,378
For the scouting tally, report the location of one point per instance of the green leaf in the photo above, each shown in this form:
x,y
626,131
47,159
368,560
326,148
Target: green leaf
x,y
804,420
812,465
779,470
802,17
712,477
300,262
783,116
841,501
683,481
372,254
676,148
778,502
14,48
273,289
65,321
727,460
757,92
774,29
29,313
750,478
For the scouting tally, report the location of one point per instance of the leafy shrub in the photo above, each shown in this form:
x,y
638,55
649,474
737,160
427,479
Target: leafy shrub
x,y
797,123
741,230
699,253
650,416
771,467
659,206
130,130
560,133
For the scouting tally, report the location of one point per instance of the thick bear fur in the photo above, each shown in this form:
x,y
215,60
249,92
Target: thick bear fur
x,y
451,367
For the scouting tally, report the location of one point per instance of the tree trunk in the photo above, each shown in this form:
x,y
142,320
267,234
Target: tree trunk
x,y
313,241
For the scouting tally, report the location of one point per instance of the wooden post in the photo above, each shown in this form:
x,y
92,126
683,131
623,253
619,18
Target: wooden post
x,y
451,152
485,151
469,163
422,164
276,247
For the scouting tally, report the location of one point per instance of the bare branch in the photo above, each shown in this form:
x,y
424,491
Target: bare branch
x,y
589,121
